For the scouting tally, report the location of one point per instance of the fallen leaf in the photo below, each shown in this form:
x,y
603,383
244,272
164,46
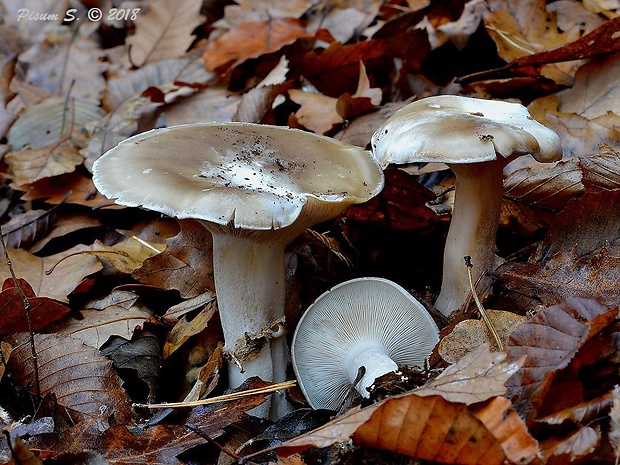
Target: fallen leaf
x,y
469,334
614,417
508,428
185,329
31,165
13,315
184,265
251,40
574,449
81,380
70,268
317,112
549,341
163,30
476,377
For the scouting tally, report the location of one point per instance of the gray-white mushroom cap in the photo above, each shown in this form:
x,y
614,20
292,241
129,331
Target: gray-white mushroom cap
x,y
457,129
246,175
364,315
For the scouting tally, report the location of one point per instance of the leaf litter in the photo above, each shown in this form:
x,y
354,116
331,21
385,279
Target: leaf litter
x,y
117,321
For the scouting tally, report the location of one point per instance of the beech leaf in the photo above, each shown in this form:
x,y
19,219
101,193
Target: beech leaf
x,y
13,318
81,380
164,30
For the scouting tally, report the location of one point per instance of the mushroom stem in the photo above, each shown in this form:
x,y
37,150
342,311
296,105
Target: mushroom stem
x,y
473,227
250,289
375,359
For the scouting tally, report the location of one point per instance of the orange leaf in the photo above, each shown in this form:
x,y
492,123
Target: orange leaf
x,y
430,428
251,41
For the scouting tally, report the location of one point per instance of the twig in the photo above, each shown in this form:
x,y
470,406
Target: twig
x,y
211,441
28,310
481,309
222,398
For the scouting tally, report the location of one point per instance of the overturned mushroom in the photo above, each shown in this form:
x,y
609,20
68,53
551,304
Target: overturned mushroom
x,y
366,322
476,138
256,188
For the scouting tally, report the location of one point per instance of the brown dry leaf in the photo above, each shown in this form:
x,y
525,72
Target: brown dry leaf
x,y
163,30
26,228
6,354
13,317
469,334
185,329
576,258
317,111
580,414
188,68
400,206
213,104
66,64
251,40
71,268
476,377
126,256
575,448
459,31
246,11
81,380
185,265
549,341
66,224
532,197
427,428
524,28
508,428
50,121
595,92
54,190
31,165
580,136
360,130
95,327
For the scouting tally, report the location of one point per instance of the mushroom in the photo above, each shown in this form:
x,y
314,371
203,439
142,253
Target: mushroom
x,y
476,138
255,188
369,322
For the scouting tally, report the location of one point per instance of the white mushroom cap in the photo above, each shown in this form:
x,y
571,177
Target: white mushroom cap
x,y
456,129
247,175
356,323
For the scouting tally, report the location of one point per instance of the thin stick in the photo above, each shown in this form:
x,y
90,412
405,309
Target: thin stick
x,y
222,398
481,309
28,310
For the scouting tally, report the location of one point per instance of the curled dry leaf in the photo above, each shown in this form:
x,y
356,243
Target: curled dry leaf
x,y
184,329
476,377
184,265
549,341
576,448
81,380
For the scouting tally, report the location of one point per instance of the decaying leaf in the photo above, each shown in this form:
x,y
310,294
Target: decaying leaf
x,y
164,30
184,265
184,329
476,377
81,380
549,341
13,316
469,334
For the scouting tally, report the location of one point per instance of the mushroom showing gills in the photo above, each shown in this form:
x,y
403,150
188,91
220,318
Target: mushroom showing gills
x,y
256,188
476,138
369,322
